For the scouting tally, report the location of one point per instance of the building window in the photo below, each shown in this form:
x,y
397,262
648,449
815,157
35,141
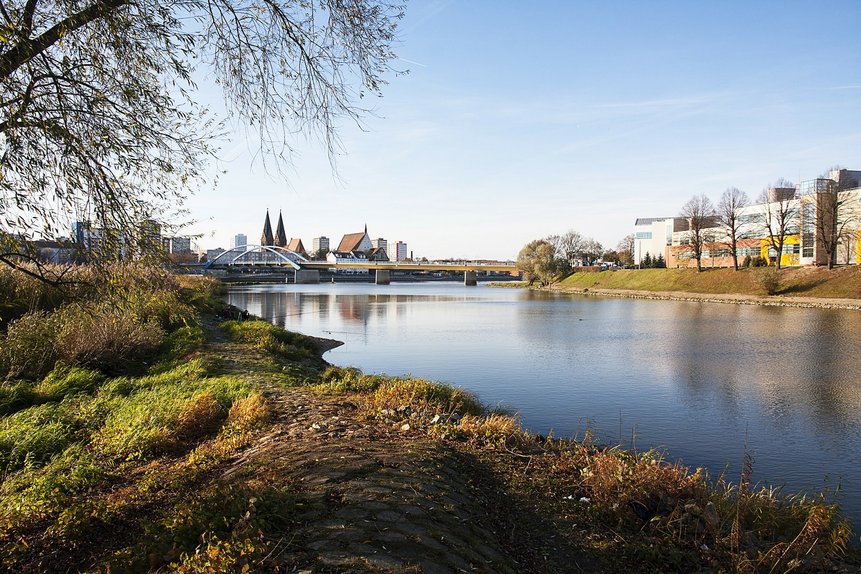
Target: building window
x,y
644,235
808,228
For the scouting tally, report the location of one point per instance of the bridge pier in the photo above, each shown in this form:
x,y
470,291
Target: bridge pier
x,y
469,279
307,277
382,277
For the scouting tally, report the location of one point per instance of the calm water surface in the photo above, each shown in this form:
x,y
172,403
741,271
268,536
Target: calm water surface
x,y
698,380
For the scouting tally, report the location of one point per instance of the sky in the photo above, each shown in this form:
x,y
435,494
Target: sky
x,y
518,120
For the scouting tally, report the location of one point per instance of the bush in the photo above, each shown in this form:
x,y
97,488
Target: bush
x,y
746,262
29,349
769,280
102,338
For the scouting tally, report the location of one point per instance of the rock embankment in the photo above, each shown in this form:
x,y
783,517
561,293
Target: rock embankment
x,y
738,299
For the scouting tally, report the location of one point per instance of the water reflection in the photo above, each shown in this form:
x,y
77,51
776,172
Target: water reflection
x,y
700,380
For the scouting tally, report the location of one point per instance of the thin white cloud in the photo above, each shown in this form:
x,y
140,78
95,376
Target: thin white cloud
x,y
413,62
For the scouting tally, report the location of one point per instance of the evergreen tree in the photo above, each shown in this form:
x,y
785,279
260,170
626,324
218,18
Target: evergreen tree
x,y
659,262
647,261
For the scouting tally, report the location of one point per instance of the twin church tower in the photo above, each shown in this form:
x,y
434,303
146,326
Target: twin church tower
x,y
280,237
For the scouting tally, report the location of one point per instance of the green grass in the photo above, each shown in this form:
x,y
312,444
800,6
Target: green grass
x,y
844,282
266,337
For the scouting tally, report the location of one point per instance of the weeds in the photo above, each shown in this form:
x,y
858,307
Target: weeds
x,y
269,338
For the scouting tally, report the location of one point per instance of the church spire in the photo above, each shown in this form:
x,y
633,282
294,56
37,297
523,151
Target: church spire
x,y
280,234
266,238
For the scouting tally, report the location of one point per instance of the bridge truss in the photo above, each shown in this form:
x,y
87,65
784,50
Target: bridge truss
x,y
257,255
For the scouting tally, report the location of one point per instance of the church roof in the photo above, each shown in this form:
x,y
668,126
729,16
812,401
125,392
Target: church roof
x,y
266,238
296,246
351,241
280,235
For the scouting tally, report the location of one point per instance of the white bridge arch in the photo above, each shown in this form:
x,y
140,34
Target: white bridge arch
x,y
253,255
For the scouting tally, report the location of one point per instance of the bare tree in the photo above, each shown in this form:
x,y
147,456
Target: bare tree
x,y
732,200
700,214
781,214
833,212
568,246
591,251
625,248
98,116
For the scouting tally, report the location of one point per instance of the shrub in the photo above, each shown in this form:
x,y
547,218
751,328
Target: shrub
x,y
21,293
102,338
746,261
28,350
769,280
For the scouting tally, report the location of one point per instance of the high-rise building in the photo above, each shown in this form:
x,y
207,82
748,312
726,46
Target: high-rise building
x,y
239,240
397,251
380,244
177,244
319,244
212,254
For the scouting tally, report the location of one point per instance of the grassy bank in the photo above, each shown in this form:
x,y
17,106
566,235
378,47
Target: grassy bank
x,y
844,282
143,429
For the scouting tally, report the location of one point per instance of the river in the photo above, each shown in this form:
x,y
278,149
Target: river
x,y
701,381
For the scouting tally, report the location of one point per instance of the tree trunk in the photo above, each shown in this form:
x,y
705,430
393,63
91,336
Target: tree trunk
x,y
734,254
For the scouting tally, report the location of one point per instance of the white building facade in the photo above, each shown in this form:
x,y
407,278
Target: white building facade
x,y
397,251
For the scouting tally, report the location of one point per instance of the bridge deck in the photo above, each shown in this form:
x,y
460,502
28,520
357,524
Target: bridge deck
x,y
395,266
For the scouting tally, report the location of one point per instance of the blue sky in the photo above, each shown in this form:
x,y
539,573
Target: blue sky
x,y
518,120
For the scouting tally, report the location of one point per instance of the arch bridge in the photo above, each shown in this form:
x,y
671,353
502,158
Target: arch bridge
x,y
266,256
257,256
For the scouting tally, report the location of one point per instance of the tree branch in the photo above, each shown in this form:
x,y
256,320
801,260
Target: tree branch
x,y
28,48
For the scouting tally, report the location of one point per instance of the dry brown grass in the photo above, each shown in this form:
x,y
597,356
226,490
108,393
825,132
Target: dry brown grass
x,y
249,413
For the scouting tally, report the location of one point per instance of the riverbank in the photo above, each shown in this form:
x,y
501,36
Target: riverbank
x,y
839,288
236,448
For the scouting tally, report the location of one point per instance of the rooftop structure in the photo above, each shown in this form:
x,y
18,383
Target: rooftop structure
x,y
355,242
280,234
267,238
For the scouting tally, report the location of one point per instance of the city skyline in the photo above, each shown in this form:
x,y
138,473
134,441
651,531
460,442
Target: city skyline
x,y
532,122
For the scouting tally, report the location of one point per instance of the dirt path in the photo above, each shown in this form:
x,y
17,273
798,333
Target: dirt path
x,y
372,497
